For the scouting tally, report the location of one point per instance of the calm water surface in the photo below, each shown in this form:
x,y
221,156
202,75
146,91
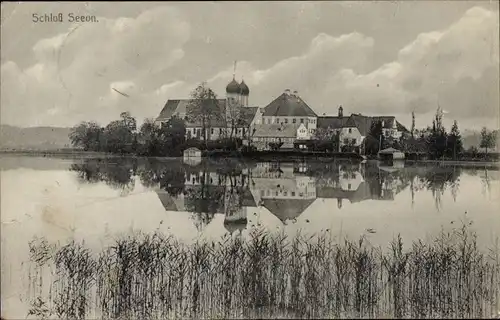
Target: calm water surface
x,y
98,200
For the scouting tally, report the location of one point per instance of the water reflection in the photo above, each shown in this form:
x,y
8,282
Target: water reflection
x,y
236,189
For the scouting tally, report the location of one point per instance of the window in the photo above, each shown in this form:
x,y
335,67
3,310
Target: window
x,y
301,120
285,193
220,130
276,193
346,141
294,120
243,131
350,130
293,193
286,120
212,131
349,186
353,141
261,193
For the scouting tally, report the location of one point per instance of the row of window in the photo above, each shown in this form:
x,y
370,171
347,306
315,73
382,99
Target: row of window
x,y
214,130
273,139
285,120
264,193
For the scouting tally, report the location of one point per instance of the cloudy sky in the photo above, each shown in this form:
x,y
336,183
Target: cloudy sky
x,y
387,58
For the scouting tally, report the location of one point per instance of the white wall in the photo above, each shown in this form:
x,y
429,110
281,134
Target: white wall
x,y
351,133
303,133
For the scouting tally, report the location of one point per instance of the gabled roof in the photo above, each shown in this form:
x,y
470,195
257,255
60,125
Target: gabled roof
x,y
277,130
167,201
170,109
182,108
247,115
364,123
389,122
331,122
218,111
287,209
290,106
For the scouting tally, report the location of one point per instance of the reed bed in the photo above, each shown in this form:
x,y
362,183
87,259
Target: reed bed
x,y
270,275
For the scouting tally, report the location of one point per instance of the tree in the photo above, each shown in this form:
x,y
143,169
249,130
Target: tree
x,y
412,124
129,121
148,141
172,137
437,140
455,144
117,137
375,138
86,135
488,139
275,145
234,116
204,108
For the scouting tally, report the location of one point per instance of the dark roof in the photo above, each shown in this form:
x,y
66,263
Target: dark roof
x,y
244,88
233,87
218,112
167,201
290,106
389,122
183,107
169,109
247,115
331,122
364,123
287,209
248,199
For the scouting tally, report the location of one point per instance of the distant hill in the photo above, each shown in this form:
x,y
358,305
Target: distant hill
x,y
34,138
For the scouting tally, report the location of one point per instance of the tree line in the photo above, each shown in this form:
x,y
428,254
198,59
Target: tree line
x,y
122,136
434,140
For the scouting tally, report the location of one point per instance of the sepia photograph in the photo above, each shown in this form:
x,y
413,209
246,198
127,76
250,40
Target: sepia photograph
x,y
250,160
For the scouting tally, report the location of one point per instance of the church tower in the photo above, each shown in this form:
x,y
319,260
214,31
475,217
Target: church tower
x,y
245,92
233,95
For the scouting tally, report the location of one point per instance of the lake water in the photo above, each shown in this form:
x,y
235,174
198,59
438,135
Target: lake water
x,y
98,200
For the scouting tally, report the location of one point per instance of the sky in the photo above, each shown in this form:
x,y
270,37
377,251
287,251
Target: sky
x,y
374,58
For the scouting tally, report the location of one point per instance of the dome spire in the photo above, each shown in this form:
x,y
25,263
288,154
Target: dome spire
x,y
233,87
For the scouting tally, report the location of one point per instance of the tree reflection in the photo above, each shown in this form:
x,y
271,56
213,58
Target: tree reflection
x,y
217,186
167,176
116,173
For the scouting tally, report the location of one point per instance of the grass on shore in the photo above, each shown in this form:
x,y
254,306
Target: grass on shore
x,y
268,275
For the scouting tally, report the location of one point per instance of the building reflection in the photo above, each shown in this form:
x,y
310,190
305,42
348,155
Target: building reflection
x,y
284,189
287,189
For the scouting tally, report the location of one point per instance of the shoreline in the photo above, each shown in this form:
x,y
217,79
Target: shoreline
x,y
259,156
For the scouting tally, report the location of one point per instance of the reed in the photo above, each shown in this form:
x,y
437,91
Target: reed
x,y
270,275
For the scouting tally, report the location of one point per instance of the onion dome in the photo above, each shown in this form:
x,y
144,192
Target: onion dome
x,y
234,225
244,88
233,87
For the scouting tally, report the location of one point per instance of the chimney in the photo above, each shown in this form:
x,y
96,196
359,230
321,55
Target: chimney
x,y
341,111
296,93
287,92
